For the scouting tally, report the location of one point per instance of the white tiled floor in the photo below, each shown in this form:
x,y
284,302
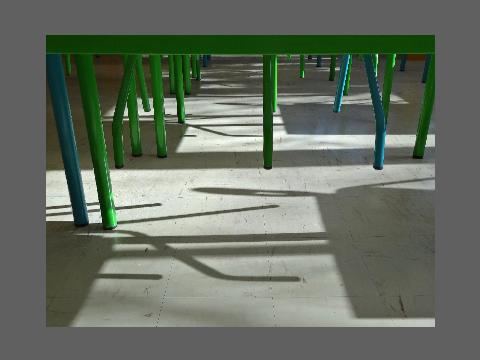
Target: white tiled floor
x,y
207,237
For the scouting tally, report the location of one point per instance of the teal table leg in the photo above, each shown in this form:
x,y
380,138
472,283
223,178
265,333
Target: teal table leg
x,y
117,123
133,121
333,65
375,64
143,84
186,74
274,81
347,80
267,112
387,83
96,138
197,61
68,64
66,137
426,112
341,83
425,69
319,61
302,66
171,73
179,88
158,104
380,127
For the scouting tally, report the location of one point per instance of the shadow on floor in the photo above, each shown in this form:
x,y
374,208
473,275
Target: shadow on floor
x,y
377,247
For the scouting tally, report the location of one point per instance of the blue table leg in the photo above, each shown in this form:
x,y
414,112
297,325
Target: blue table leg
x,y
403,62
319,61
63,119
205,60
425,68
380,129
341,83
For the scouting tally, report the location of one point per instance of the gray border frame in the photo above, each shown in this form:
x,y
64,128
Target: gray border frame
x,y
24,26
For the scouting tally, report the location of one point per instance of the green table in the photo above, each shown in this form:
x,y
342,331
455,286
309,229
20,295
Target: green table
x,y
84,46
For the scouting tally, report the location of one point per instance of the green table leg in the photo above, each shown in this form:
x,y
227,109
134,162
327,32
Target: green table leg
x,y
96,138
117,123
347,80
302,66
171,73
186,74
142,83
158,104
426,112
333,65
274,81
267,112
375,63
179,88
133,121
387,83
68,64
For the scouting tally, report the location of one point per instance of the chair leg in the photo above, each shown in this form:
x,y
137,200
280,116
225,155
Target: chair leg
x,y
333,65
375,64
194,67
96,138
347,81
187,82
267,113
302,66
380,128
66,136
133,121
403,62
117,123
341,83
425,68
142,83
274,82
387,84
426,112
171,73
68,64
179,89
158,105
199,71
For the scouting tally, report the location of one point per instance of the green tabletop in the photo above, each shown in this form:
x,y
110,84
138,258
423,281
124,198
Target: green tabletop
x,y
240,44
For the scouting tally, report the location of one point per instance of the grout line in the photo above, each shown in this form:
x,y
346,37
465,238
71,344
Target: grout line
x,y
170,272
